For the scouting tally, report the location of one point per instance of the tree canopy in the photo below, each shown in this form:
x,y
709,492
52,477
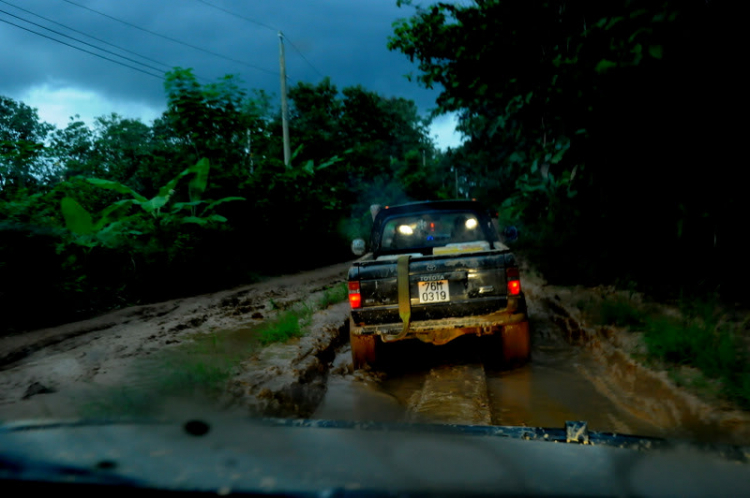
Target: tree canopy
x,y
126,212
604,129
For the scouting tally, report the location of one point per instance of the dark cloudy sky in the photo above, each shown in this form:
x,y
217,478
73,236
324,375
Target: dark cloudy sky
x,y
343,39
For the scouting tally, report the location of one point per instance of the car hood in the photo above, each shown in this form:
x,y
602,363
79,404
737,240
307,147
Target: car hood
x,y
332,458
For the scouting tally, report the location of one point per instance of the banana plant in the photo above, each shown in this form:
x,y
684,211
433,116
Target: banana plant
x,y
117,220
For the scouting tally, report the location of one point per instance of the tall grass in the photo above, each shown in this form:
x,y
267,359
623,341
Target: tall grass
x,y
288,325
701,340
333,295
291,323
697,338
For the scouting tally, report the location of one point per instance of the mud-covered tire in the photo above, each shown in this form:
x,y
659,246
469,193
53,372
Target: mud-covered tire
x,y
364,350
506,348
515,342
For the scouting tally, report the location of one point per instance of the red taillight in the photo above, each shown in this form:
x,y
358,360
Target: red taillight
x,y
514,282
355,298
514,287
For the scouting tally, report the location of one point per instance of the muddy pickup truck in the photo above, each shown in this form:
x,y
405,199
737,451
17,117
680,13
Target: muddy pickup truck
x,y
436,271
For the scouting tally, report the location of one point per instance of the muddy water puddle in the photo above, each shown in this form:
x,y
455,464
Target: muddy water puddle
x,y
449,384
551,390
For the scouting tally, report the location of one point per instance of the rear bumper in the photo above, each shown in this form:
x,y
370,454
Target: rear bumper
x,y
446,329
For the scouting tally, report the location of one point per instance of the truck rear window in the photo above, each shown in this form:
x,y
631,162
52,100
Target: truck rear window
x,y
433,229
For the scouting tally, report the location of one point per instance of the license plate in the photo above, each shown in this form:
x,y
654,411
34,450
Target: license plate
x,y
434,292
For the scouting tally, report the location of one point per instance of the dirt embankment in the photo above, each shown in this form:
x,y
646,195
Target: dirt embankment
x,y
637,388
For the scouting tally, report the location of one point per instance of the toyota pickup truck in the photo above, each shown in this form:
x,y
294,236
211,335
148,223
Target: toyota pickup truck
x,y
436,271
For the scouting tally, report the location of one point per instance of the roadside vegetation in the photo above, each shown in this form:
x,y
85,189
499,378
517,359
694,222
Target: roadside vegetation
x,y
701,345
129,213
291,323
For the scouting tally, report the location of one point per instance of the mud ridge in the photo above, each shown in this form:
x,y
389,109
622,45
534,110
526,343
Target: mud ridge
x,y
645,393
290,380
8,358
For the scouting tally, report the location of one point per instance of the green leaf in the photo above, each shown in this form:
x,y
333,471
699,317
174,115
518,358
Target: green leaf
x,y
604,65
117,187
221,201
177,206
613,21
110,236
153,204
199,182
638,32
194,219
656,51
113,212
216,217
77,219
561,146
330,162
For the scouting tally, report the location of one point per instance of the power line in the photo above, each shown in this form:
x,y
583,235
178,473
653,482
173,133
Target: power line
x,y
264,25
304,58
86,34
83,50
215,54
169,66
267,26
79,41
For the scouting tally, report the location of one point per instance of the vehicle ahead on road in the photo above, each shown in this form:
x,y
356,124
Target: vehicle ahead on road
x,y
436,271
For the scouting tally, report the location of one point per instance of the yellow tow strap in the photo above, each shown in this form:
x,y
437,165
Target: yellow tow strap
x,y
404,300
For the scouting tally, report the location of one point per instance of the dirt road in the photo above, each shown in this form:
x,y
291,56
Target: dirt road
x,y
202,354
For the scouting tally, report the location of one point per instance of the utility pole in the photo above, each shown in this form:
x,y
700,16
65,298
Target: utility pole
x,y
284,104
250,152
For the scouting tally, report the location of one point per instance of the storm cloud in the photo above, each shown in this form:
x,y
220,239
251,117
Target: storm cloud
x,y
343,39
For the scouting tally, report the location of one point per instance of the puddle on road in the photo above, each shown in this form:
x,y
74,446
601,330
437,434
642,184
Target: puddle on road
x,y
545,393
561,383
348,398
551,390
417,383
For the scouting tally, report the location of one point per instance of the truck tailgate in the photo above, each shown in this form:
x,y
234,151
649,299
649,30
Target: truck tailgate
x,y
441,286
